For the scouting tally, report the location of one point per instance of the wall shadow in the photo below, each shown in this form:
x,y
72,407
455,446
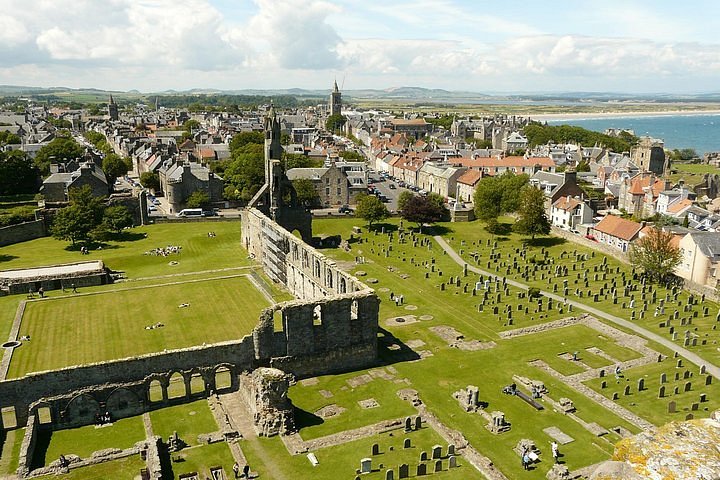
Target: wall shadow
x,y
392,350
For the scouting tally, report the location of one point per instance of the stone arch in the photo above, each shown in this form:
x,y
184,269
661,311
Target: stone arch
x,y
177,387
223,377
81,410
156,390
123,402
354,310
295,254
342,285
317,315
316,268
329,278
197,383
306,259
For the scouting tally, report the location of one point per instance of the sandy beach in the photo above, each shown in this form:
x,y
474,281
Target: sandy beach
x,y
595,115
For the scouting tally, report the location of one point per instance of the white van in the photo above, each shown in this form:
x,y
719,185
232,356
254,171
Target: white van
x,y
190,212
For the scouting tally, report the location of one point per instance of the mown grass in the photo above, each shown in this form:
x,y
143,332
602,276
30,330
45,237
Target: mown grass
x,y
189,421
79,329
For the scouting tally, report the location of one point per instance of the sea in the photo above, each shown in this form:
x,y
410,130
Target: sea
x,y
700,132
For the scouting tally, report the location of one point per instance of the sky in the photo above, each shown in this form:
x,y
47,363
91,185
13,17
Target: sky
x,y
483,46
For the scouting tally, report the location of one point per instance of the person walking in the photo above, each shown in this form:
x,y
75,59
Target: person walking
x,y
236,469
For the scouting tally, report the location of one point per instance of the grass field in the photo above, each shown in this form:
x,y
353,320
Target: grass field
x,y
84,441
188,420
74,330
691,173
126,468
10,442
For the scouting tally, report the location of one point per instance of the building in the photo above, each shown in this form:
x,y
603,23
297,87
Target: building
x,y
649,155
179,180
55,188
514,142
331,183
557,185
700,256
569,213
466,184
616,232
113,109
335,106
440,178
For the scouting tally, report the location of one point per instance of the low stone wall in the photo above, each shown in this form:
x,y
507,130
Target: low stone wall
x,y
22,232
27,447
600,247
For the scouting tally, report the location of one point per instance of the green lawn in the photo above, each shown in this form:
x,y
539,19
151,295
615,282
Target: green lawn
x,y
10,450
198,253
201,459
343,460
126,468
188,420
77,329
691,173
84,441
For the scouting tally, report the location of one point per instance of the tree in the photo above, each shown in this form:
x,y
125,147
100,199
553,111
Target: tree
x,y
150,180
655,255
114,166
421,209
371,209
404,198
61,149
495,196
80,218
191,125
306,193
116,218
17,173
198,199
532,219
335,122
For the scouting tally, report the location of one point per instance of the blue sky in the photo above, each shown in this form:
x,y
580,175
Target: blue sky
x,y
483,46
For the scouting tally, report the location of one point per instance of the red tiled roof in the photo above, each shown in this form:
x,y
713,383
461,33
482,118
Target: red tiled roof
x,y
566,203
618,227
483,162
470,177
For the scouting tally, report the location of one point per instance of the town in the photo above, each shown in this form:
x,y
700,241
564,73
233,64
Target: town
x,y
330,291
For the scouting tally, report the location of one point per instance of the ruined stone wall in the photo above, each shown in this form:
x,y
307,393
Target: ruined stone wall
x,y
22,232
62,390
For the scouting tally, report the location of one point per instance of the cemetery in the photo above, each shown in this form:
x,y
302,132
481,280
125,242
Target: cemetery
x,y
448,354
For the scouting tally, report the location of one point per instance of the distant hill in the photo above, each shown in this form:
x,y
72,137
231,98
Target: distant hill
x,y
409,93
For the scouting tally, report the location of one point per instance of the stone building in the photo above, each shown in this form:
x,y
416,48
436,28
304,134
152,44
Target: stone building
x,y
55,188
331,183
335,105
649,155
113,109
178,180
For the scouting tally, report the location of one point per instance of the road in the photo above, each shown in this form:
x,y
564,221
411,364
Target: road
x,y
690,356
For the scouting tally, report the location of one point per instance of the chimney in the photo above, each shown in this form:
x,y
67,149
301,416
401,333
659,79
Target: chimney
x,y
570,176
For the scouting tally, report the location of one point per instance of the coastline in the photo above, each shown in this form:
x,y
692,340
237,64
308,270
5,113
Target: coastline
x,y
638,114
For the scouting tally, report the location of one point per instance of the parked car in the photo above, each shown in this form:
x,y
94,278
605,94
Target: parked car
x,y
392,186
345,209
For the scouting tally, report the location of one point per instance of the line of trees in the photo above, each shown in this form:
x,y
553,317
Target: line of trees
x,y
539,134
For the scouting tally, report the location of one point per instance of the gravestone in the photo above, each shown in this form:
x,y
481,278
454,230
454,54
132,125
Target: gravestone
x,y
663,378
451,449
689,416
603,384
453,462
694,407
703,368
438,466
390,475
688,386
423,456
672,407
708,380
661,392
436,452
408,424
703,397
366,465
375,449
641,385
407,443
615,396
627,390
403,471
421,470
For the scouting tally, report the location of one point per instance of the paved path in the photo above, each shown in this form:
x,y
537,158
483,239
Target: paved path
x,y
690,356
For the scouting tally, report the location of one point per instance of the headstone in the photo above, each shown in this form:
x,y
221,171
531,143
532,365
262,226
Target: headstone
x,y
438,466
688,386
708,380
408,424
641,385
407,443
603,384
451,449
661,392
453,462
375,449
403,471
703,397
615,396
423,456
627,390
366,465
390,475
663,378
672,407
703,368
436,452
